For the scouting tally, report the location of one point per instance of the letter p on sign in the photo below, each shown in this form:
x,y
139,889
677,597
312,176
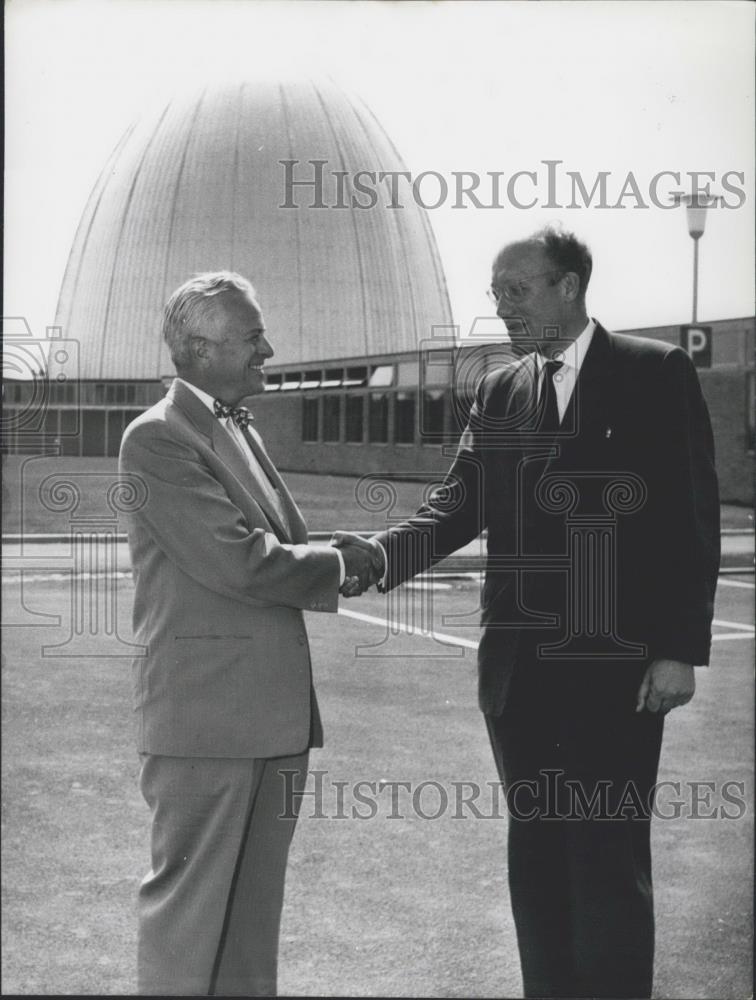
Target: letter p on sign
x,y
696,340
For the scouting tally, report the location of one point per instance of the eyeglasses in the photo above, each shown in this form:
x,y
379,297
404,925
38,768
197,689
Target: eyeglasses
x,y
514,290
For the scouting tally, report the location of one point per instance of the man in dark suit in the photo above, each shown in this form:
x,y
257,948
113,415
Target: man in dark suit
x,y
226,710
590,464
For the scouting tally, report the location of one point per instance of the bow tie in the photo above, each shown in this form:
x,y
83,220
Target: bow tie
x,y
240,415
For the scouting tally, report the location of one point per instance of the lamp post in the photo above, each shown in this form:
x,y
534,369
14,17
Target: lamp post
x,y
696,205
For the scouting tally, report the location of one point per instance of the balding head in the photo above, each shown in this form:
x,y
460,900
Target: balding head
x,y
539,285
553,248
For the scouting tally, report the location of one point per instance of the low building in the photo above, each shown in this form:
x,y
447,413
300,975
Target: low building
x,y
390,413
368,376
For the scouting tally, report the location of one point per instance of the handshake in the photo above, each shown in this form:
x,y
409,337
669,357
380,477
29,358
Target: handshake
x,y
364,562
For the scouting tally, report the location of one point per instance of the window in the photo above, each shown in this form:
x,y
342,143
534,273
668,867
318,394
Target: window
x,y
93,432
438,368
70,432
333,378
404,418
54,393
378,418
381,375
115,426
65,392
311,380
69,422
407,373
356,378
331,418
129,416
273,383
291,380
355,408
433,413
310,419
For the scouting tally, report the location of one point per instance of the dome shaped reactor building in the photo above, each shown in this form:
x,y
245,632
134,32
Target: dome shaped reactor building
x,y
264,179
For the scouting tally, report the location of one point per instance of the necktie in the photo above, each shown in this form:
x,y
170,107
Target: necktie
x,y
240,415
543,530
549,423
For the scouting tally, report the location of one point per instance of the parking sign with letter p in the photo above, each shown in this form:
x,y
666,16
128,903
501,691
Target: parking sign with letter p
x,y
696,340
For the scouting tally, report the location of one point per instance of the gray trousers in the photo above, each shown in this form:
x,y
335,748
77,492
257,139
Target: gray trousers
x,y
210,908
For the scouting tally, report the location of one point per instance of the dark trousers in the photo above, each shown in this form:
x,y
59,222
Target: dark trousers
x,y
210,908
579,766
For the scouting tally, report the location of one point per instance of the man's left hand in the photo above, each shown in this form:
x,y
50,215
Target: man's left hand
x,y
666,684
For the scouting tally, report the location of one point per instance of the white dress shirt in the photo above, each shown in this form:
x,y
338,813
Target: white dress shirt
x,y
572,359
257,470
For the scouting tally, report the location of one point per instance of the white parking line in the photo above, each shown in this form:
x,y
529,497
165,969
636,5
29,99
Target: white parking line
x,y
739,625
746,633
453,640
743,631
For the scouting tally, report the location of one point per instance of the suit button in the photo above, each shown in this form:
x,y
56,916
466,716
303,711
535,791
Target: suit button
x,y
301,638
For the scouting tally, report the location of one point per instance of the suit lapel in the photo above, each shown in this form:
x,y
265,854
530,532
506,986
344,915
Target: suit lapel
x,y
228,450
587,416
229,453
588,413
298,528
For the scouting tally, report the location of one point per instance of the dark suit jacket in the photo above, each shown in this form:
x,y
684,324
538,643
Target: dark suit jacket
x,y
220,586
637,418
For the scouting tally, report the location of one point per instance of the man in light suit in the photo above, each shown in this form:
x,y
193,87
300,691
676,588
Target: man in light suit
x,y
583,650
225,705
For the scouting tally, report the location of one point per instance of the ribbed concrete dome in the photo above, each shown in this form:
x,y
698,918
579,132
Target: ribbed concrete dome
x,y
198,186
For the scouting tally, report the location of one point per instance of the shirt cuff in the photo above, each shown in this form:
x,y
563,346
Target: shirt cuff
x,y
342,568
382,581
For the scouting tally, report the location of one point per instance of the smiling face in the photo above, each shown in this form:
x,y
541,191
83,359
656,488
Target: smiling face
x,y
232,348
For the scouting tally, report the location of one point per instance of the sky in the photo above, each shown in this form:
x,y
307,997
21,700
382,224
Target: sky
x,y
494,87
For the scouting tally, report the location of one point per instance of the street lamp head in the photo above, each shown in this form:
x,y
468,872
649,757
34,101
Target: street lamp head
x,y
695,205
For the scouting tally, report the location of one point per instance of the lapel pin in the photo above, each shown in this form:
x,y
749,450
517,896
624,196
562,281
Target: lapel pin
x,y
608,432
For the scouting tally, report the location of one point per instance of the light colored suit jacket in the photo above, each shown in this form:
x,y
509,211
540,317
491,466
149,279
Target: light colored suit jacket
x,y
220,585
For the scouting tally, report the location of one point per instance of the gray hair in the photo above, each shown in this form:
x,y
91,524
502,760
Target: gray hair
x,y
190,304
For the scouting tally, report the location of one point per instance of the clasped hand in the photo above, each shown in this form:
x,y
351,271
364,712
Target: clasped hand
x,y
363,562
666,684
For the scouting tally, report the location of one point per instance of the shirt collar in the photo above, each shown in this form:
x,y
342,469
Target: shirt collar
x,y
203,396
575,353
